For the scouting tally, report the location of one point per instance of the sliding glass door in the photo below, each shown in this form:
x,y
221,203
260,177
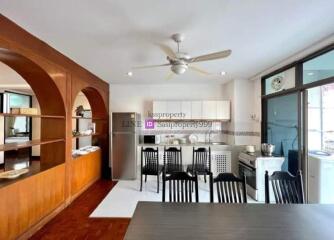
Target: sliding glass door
x,y
282,129
320,144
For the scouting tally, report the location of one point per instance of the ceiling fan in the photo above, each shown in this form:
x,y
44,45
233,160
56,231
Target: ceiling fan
x,y
181,61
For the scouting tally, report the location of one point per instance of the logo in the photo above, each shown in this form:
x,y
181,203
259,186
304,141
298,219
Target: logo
x,y
149,123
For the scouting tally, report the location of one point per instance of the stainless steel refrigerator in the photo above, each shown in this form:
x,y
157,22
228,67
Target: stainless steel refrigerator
x,y
125,137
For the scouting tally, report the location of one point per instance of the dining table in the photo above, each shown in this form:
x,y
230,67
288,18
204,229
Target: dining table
x,y
191,221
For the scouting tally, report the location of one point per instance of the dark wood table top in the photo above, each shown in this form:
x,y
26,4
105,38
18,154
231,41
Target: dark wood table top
x,y
170,221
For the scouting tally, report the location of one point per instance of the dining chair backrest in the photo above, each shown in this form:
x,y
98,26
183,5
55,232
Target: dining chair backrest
x,y
201,160
172,159
229,188
286,187
180,187
150,159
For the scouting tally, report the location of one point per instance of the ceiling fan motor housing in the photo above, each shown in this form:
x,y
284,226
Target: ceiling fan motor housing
x,y
179,68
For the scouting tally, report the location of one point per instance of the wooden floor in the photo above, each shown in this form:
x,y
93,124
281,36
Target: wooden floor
x,y
74,221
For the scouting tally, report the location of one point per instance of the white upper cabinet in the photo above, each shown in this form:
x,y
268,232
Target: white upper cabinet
x,y
186,109
196,109
174,109
209,110
159,108
223,110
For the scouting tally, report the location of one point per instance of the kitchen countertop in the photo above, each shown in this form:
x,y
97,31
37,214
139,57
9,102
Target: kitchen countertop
x,y
184,144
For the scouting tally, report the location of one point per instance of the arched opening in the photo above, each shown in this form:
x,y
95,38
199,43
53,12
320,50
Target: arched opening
x,y
90,126
32,118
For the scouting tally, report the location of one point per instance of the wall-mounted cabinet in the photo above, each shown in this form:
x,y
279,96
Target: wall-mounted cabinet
x,y
192,110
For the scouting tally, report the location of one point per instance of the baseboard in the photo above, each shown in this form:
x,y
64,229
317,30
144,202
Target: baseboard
x,y
31,231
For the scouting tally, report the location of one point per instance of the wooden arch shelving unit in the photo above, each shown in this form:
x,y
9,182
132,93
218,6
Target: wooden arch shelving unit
x,y
52,138
29,202
87,168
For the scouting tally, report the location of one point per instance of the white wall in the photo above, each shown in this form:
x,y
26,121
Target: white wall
x,y
139,97
245,97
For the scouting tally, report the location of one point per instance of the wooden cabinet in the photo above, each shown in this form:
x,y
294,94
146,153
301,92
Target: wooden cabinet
x,y
223,110
159,109
209,110
186,109
174,109
195,110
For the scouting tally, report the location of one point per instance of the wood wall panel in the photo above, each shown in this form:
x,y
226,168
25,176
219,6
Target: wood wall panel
x,y
85,170
26,202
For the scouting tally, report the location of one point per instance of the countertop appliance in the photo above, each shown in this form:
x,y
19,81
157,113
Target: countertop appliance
x,y
254,166
149,139
125,127
320,177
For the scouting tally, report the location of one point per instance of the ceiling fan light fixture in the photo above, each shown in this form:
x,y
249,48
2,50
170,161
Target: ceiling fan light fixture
x,y
179,68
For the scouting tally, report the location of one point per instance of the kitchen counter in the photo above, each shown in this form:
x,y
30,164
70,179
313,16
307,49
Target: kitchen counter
x,y
184,144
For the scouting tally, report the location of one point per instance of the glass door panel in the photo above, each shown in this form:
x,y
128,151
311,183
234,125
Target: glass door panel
x,y
320,176
282,129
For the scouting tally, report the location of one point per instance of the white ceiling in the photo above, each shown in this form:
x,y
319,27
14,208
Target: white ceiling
x,y
108,37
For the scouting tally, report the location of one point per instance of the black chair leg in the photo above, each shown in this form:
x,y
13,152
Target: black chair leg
x,y
205,178
158,182
141,181
145,178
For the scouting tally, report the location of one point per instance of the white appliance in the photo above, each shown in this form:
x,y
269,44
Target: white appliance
x,y
254,166
221,162
320,177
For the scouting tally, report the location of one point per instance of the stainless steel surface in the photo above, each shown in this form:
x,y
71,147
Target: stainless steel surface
x,y
267,149
124,144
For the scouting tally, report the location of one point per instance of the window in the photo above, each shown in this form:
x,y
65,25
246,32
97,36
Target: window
x,y
16,126
320,118
281,81
319,68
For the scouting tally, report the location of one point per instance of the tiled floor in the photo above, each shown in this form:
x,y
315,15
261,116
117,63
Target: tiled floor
x,y
122,200
74,222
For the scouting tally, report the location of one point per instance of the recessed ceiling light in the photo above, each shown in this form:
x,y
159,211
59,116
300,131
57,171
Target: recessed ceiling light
x,y
222,73
129,74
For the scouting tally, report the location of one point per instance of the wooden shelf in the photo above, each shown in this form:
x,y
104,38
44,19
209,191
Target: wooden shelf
x,y
30,115
90,135
94,118
16,146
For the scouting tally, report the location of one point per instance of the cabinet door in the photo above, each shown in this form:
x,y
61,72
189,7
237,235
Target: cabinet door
x,y
159,108
186,109
174,108
196,110
223,110
209,110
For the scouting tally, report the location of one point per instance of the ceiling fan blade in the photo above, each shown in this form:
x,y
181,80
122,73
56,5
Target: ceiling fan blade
x,y
196,69
211,56
170,76
151,66
167,50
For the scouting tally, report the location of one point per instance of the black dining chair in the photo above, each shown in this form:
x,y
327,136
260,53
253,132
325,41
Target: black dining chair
x,y
230,189
286,187
201,162
149,165
173,160
180,187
